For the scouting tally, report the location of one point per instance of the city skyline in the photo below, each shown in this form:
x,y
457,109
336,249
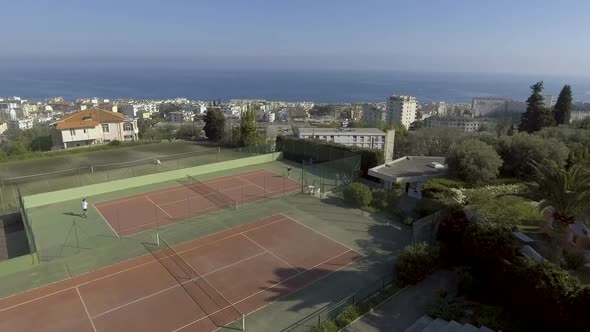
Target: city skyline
x,y
525,37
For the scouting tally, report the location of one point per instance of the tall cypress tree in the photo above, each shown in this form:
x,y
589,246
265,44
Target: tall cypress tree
x,y
536,115
563,107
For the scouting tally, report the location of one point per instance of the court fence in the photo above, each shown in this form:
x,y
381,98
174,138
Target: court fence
x,y
425,229
28,230
298,150
101,173
321,179
332,310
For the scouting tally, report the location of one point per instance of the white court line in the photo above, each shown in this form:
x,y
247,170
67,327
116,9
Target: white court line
x,y
327,237
254,184
106,221
232,264
142,298
270,252
272,286
127,269
207,281
85,309
156,205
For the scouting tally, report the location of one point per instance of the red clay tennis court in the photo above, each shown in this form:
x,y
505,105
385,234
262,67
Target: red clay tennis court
x,y
137,213
235,272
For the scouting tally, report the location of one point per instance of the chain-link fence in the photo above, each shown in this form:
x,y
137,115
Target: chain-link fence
x,y
99,173
425,229
331,311
330,177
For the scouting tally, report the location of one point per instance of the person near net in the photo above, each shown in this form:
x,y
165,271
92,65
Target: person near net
x,y
84,206
289,172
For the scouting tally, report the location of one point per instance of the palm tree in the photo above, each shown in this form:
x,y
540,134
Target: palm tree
x,y
565,190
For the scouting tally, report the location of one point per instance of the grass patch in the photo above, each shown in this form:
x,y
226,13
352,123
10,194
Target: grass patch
x,y
59,153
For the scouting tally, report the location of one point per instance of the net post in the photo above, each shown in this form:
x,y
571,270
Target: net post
x,y
284,180
118,224
243,322
188,203
264,181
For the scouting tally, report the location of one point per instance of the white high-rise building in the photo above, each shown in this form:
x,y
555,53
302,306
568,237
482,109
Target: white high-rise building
x,y
401,109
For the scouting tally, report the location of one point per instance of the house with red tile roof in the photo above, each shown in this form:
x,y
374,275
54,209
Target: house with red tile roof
x,y
93,126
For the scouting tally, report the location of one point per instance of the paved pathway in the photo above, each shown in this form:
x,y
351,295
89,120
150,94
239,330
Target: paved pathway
x,y
404,308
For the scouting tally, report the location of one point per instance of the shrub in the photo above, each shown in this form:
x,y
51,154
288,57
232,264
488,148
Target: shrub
x,y
486,242
474,161
426,207
467,284
114,143
415,263
441,185
381,199
358,195
447,307
348,316
574,260
450,233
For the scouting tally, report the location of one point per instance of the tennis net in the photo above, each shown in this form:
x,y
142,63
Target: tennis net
x,y
212,194
216,306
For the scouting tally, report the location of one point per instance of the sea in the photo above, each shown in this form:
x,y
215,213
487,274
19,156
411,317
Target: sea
x,y
320,86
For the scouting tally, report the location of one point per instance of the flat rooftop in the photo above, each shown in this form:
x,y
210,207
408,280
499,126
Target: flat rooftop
x,y
409,168
339,131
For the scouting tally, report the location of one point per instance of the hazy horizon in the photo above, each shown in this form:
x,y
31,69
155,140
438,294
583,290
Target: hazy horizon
x,y
507,37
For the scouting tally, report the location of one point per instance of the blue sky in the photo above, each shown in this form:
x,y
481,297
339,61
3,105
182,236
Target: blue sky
x,y
517,36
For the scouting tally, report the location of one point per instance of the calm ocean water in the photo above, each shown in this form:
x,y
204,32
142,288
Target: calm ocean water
x,y
317,86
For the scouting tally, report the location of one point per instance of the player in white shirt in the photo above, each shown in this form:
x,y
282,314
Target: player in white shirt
x,y
84,207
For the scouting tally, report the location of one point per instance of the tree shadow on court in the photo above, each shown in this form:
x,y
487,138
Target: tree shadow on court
x,y
378,239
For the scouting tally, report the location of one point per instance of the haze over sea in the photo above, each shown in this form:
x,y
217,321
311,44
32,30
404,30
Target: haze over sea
x,y
276,84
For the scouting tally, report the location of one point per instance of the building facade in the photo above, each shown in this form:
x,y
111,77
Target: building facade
x,y
93,126
371,138
466,124
20,123
401,110
181,117
579,115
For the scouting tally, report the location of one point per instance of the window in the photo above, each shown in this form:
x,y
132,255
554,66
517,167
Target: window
x,y
105,128
128,126
73,132
85,130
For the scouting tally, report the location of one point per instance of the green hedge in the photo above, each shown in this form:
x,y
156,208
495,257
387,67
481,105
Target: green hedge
x,y
319,151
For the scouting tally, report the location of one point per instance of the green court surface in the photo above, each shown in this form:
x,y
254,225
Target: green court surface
x,y
92,244
73,170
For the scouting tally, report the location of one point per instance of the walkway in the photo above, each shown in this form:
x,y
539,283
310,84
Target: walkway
x,y
404,308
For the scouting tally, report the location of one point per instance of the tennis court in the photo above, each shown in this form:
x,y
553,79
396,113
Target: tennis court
x,y
146,211
199,285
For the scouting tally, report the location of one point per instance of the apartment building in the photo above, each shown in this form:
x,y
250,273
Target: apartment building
x,y
465,123
401,110
181,116
93,126
579,115
20,123
371,138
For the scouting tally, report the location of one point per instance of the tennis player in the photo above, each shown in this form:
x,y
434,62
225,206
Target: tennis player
x,y
289,172
84,207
